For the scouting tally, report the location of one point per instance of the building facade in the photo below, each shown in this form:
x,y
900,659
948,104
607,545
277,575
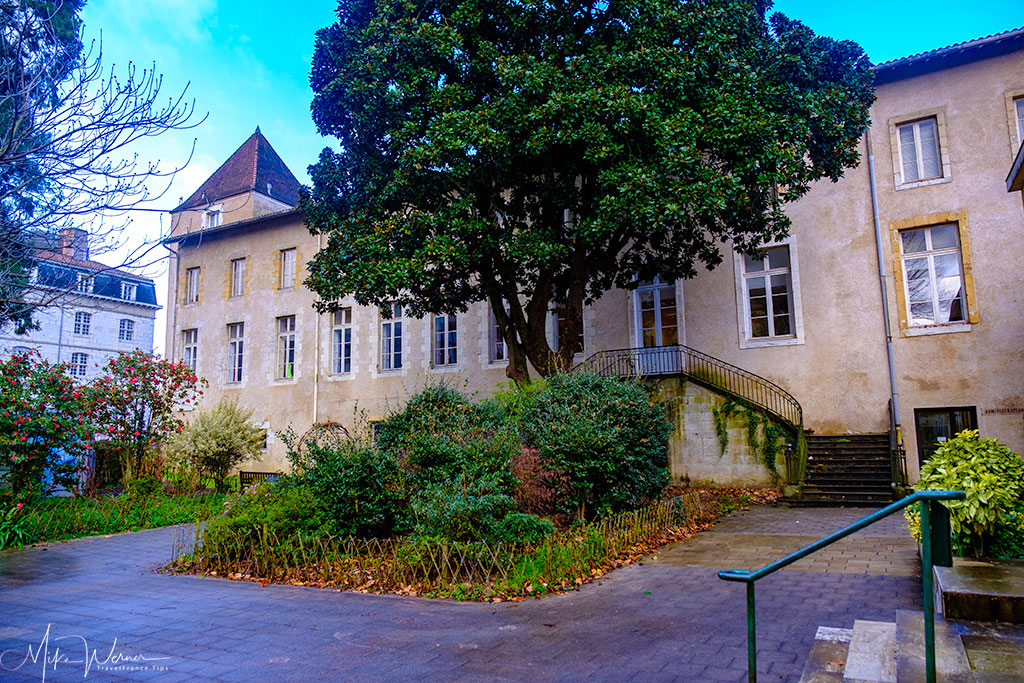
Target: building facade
x,y
897,286
93,311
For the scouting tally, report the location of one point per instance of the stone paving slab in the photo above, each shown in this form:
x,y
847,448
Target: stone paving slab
x,y
655,621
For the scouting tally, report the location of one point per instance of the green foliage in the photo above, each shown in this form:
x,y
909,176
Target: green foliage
x,y
605,435
466,508
468,131
360,489
145,486
55,519
46,425
282,508
140,397
1007,539
519,527
219,439
12,527
991,476
764,435
441,434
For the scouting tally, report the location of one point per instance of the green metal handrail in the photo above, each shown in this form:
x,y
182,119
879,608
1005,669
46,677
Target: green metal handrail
x,y
936,550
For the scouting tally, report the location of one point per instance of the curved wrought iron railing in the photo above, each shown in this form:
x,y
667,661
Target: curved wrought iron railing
x,y
717,375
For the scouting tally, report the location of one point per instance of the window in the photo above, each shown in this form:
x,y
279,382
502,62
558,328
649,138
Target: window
x,y
446,340
213,217
236,351
126,330
560,322
286,347
498,351
83,283
919,150
287,268
1018,110
238,277
768,294
192,285
659,321
82,323
933,276
936,425
79,364
190,344
391,338
341,360
129,291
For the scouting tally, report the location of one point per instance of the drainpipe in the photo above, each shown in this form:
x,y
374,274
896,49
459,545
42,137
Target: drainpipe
x,y
885,291
316,352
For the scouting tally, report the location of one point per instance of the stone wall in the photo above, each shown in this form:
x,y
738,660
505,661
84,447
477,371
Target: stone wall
x,y
695,452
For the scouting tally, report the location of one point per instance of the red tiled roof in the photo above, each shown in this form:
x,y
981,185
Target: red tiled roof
x,y
254,166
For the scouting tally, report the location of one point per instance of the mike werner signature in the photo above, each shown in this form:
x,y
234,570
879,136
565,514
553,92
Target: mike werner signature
x,y
76,652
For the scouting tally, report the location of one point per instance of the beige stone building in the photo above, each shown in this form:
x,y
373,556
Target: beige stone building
x,y
898,282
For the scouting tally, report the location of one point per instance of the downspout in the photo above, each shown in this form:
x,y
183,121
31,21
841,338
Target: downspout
x,y
316,352
885,292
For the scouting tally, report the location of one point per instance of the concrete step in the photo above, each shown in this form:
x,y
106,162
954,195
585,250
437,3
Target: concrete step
x,y
951,662
982,590
828,655
872,655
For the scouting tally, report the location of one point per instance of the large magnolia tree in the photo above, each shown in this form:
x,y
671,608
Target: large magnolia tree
x,y
539,152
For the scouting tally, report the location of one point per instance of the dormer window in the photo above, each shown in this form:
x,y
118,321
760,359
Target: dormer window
x,y
129,291
83,283
213,216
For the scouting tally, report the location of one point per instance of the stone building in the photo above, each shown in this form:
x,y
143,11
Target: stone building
x,y
895,288
93,311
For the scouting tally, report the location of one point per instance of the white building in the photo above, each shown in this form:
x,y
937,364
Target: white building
x,y
97,311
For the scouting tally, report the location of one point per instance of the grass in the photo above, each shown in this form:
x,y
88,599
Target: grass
x,y
59,519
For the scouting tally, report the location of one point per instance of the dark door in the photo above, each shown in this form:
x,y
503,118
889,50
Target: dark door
x,y
936,425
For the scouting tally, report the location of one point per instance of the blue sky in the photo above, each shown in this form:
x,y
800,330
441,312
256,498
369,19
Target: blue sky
x,y
247,64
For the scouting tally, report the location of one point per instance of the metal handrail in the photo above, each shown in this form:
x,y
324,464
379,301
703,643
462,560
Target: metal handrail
x,y
897,453
936,550
717,375
679,359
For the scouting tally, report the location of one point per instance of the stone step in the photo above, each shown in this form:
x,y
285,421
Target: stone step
x,y
982,590
951,662
872,654
835,478
828,655
833,503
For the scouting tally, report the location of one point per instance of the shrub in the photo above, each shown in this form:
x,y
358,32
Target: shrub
x,y
463,509
361,490
519,527
605,435
441,435
12,528
218,440
284,508
991,477
143,487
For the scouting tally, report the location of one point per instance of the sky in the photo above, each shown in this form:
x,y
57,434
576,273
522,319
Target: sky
x,y
246,64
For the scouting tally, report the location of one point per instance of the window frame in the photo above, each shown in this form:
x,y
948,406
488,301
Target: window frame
x,y
444,342
236,352
940,138
129,291
83,283
192,276
285,348
497,349
126,330
390,358
288,272
213,216
79,365
896,228
190,348
746,339
237,287
82,324
558,320
341,341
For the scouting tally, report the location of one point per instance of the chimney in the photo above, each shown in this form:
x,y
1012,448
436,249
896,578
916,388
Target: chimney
x,y
74,243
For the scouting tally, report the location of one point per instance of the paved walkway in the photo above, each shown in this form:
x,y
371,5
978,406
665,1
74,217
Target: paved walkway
x,y
669,618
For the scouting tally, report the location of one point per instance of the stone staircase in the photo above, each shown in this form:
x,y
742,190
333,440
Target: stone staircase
x,y
887,652
852,470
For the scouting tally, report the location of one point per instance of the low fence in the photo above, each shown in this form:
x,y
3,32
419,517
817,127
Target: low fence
x,y
421,566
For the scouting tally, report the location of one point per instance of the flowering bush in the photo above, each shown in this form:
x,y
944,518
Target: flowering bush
x,y
47,422
12,531
142,397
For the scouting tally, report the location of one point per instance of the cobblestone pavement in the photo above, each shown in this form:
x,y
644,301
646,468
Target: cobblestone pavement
x,y
669,618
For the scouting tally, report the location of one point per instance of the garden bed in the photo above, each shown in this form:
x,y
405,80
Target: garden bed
x,y
465,571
